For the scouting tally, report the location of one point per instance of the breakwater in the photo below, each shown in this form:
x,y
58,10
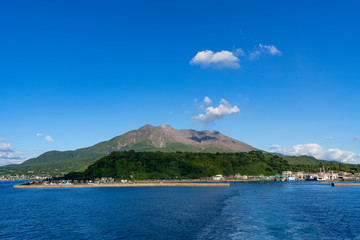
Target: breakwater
x,y
154,184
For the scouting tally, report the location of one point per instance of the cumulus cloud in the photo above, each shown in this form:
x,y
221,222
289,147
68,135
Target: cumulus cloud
x,y
271,49
207,101
315,150
228,59
263,49
49,139
5,147
213,113
222,59
356,138
8,155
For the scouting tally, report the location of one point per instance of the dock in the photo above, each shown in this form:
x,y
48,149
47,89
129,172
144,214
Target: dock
x,y
345,184
155,184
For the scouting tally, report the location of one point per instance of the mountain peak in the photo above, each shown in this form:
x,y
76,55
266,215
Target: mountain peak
x,y
166,127
147,126
147,138
163,136
151,127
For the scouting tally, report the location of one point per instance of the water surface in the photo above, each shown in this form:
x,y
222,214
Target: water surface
x,y
270,210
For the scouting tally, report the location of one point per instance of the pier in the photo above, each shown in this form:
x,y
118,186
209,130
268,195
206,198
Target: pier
x,y
154,184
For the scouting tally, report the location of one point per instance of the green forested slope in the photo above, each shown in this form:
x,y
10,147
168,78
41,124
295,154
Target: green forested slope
x,y
67,161
300,160
178,165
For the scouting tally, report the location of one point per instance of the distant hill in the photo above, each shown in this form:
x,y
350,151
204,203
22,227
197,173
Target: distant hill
x,y
147,138
300,160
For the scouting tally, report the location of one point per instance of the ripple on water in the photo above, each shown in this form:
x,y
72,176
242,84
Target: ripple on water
x,y
287,211
272,210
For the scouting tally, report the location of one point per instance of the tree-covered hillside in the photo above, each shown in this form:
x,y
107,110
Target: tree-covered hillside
x,y
180,165
300,160
190,165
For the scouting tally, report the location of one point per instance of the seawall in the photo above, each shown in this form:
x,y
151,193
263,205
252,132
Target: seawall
x,y
125,185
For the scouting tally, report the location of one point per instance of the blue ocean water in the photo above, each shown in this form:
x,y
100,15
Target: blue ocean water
x,y
266,210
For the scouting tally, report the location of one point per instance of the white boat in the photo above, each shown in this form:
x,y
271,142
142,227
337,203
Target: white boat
x,y
291,179
322,176
320,179
218,177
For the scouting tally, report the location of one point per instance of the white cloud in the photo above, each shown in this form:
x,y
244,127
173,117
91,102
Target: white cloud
x,y
264,49
8,155
271,49
214,113
341,156
49,139
315,150
329,138
207,101
228,59
310,149
2,139
223,59
239,52
254,55
4,147
356,138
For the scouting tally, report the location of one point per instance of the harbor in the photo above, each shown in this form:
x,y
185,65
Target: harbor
x,y
337,179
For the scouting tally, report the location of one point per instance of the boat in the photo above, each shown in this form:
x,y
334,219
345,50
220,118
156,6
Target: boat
x,y
218,177
291,179
322,176
321,179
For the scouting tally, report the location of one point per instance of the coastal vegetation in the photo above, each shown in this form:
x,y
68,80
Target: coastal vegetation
x,y
134,165
181,165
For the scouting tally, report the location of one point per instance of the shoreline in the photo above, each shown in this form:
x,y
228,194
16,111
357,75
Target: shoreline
x,y
160,184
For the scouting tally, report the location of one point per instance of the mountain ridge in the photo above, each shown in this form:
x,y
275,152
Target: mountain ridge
x,y
147,138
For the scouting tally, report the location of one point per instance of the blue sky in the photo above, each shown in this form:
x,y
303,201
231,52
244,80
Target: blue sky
x,y
86,71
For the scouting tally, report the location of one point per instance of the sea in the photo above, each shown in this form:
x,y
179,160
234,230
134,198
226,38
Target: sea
x,y
245,210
